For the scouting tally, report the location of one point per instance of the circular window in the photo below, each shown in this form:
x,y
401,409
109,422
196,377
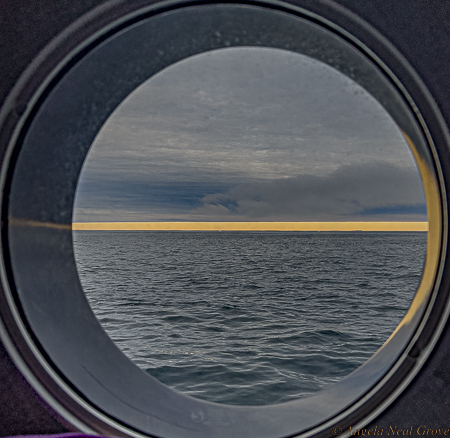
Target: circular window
x,y
240,163
95,382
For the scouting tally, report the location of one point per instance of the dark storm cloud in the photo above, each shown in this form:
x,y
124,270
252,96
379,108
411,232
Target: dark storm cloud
x,y
147,195
377,191
353,192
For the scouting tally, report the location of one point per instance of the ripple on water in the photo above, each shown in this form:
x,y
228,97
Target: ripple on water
x,y
249,318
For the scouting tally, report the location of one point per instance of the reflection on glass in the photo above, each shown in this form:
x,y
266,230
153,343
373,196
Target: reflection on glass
x,y
240,165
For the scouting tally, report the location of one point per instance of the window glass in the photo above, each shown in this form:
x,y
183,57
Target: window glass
x,y
250,226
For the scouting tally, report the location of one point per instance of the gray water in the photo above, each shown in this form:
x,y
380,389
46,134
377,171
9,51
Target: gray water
x,y
249,318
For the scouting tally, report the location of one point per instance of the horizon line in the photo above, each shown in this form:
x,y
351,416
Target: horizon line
x,y
251,226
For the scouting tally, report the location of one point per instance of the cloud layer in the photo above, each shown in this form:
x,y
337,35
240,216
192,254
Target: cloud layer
x,y
353,192
249,134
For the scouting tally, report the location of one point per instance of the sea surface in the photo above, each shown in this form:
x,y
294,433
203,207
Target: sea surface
x,y
249,318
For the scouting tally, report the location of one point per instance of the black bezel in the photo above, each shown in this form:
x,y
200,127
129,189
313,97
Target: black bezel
x,y
21,341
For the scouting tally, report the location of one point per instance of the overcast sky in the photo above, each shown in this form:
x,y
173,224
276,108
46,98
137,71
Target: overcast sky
x,y
249,134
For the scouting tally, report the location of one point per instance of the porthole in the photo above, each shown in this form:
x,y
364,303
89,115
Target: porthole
x,y
84,376
228,158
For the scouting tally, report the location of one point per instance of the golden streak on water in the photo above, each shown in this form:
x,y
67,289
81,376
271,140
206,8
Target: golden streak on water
x,y
251,226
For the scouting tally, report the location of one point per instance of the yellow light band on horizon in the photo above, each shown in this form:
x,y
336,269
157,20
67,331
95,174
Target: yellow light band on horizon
x,y
250,226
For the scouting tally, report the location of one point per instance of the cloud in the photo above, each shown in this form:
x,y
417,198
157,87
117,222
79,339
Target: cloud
x,y
249,134
353,192
375,191
251,110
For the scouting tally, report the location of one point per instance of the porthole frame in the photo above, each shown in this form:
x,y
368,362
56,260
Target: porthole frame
x,y
20,338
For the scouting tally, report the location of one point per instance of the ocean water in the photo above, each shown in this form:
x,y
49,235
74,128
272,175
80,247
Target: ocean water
x,y
249,318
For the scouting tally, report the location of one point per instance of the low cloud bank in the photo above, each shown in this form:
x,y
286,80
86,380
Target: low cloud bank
x,y
377,191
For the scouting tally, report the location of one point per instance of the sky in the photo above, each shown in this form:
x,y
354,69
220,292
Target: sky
x,y
249,134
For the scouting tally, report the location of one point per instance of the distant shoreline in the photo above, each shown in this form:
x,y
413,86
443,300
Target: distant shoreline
x,y
254,226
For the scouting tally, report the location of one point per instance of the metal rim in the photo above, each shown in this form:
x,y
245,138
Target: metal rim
x,y
24,346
